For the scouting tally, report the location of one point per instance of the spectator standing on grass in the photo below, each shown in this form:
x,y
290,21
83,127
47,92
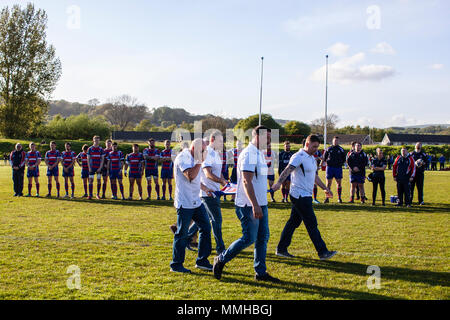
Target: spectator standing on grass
x,y
251,207
420,161
17,162
429,162
390,162
334,157
378,166
283,161
303,171
442,162
404,172
434,161
357,162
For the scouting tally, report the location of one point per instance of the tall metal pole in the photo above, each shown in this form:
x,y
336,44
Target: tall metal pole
x,y
261,92
326,109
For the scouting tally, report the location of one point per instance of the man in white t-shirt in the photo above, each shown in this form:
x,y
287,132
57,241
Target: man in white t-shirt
x,y
303,171
251,206
189,207
212,178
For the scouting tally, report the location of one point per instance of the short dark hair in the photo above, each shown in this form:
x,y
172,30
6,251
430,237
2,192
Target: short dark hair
x,y
68,144
312,138
114,144
259,128
335,137
52,142
135,145
151,139
287,142
85,147
353,143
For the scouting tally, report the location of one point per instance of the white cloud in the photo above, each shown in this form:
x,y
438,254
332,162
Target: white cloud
x,y
339,49
402,120
383,48
348,70
321,21
437,66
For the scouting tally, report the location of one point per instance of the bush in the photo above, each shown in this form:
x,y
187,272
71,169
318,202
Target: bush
x,y
74,128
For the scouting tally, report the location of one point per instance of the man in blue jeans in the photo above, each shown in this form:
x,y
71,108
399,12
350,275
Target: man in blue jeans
x,y
251,206
303,170
189,207
212,178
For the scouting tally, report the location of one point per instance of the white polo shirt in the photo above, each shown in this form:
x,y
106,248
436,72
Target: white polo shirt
x,y
187,193
213,161
304,175
251,159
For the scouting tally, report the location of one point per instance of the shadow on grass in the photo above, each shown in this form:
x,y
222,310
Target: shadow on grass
x,y
134,203
296,287
387,272
431,208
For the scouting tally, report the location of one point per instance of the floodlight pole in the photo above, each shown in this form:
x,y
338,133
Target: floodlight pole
x,y
261,92
326,108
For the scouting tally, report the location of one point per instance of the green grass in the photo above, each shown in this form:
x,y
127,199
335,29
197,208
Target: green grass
x,y
123,250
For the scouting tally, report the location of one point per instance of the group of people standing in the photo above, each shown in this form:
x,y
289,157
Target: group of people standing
x,y
104,164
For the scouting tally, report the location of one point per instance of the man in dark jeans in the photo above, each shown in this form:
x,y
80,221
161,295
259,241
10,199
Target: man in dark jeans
x,y
303,170
420,161
404,172
17,161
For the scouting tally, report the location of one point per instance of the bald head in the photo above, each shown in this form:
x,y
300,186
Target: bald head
x,y
197,148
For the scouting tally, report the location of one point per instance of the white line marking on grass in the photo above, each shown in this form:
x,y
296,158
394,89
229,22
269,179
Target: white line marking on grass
x,y
148,244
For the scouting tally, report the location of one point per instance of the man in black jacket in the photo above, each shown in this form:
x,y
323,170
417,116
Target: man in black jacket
x,y
17,162
334,157
420,161
404,171
357,162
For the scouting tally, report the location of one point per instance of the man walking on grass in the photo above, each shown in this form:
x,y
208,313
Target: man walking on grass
x,y
251,206
303,171
189,207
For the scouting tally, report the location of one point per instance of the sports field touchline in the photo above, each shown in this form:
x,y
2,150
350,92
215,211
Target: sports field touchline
x,y
147,244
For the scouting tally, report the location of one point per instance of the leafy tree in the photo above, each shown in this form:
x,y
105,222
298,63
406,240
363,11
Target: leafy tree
x,y
29,69
253,121
297,128
144,126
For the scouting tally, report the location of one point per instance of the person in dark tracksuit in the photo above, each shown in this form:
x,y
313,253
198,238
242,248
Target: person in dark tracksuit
x,y
357,162
420,160
379,164
404,171
17,162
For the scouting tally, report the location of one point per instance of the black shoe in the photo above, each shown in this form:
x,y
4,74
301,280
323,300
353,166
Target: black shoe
x,y
327,200
340,200
218,268
204,266
327,255
266,277
16,194
284,254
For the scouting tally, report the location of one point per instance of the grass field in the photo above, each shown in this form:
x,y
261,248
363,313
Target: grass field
x,y
123,250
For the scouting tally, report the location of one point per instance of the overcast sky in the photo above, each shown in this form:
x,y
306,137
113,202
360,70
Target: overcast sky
x,y
389,60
